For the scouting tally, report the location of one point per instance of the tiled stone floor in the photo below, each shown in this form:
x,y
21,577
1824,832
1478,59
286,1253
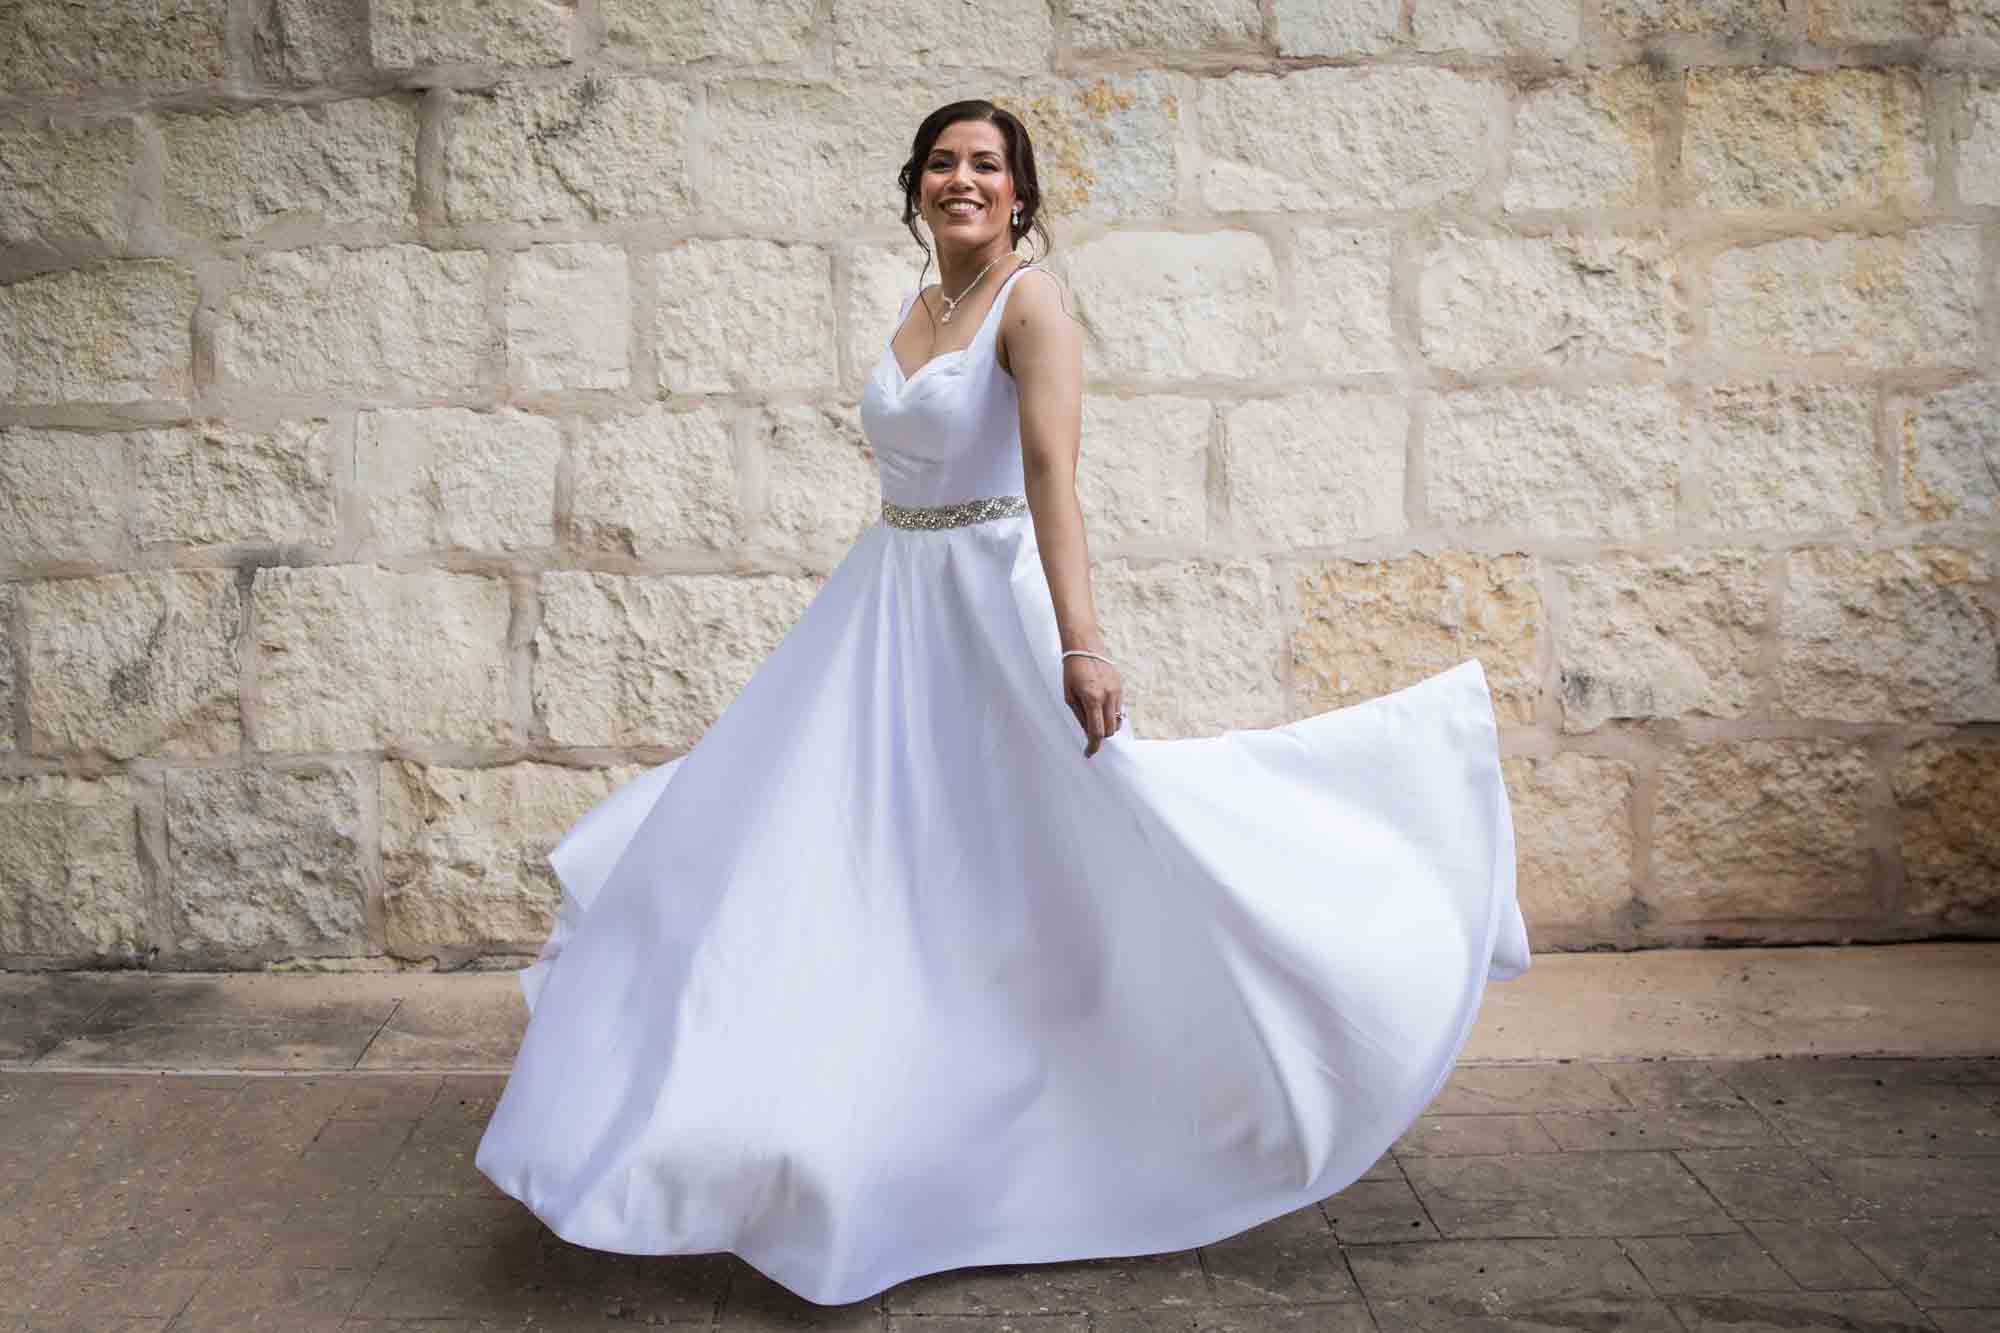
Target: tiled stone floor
x,y
1793,1194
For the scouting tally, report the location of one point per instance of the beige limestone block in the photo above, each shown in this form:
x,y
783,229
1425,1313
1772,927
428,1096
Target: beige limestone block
x,y
405,33
1730,20
1544,28
1585,142
1948,800
221,483
60,46
1764,830
1975,18
1875,636
1787,138
1341,287
1900,300
981,34
1316,468
354,657
744,316
569,318
135,664
1601,461
590,149
465,851
1979,141
1142,471
820,487
1168,306
9,602
1573,838
1107,145
1789,456
1371,627
70,883
1337,27
878,278
1663,637
653,659
819,131
59,185
113,333
446,478
233,173
736,32
64,493
1950,452
1547,301
655,481
1199,644
308,41
1172,25
1407,136
1838,21
267,861
327,319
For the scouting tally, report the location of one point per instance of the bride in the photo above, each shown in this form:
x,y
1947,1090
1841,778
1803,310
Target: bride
x,y
917,959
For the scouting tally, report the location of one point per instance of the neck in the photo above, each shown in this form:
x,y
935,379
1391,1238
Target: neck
x,y
957,268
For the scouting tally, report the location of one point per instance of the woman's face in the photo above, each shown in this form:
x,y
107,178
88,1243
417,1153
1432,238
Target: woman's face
x,y
967,192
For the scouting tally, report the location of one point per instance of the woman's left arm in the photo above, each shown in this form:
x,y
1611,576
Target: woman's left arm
x,y
1045,355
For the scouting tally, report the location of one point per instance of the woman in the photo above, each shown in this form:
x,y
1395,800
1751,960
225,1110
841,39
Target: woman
x,y
917,960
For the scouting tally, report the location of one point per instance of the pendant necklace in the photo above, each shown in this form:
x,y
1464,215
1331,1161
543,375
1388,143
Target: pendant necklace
x,y
951,305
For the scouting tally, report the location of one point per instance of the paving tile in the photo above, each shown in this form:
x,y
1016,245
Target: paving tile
x,y
1938,1260
1291,1259
1921,1186
1564,1194
441,1023
179,1228
245,999
420,1282
1658,1129
39,1009
276,1045
1657,1084
1463,1135
1053,1323
1496,1276
1776,1183
1342,1318
394,1097
445,1222
659,1289
1866,1119
1384,1168
1444,1316
1818,1258
1169,1281
355,1231
85,1292
1786,1312
1966,1320
1704,1265
295,1300
437,1165
754,1302
1371,1212
1525,1089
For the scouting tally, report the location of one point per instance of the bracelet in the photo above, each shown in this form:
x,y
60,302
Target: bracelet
x,y
1078,652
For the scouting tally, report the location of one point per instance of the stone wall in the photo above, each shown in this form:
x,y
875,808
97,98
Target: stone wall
x,y
417,418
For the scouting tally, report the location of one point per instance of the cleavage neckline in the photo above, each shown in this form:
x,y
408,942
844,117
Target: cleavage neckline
x,y
889,348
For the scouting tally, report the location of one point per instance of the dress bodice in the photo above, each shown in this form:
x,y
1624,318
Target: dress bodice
x,y
952,431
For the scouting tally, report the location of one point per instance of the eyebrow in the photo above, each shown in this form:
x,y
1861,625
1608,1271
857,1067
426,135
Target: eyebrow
x,y
977,152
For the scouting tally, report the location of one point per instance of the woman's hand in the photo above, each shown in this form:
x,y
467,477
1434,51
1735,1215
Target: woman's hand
x,y
1096,695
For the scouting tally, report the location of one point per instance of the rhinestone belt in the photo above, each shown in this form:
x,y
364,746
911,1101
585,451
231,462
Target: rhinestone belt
x,y
953,515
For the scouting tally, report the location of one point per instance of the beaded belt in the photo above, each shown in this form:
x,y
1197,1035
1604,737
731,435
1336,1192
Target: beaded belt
x,y
953,515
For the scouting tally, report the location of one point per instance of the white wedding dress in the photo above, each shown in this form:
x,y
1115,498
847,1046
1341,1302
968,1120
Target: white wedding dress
x,y
884,976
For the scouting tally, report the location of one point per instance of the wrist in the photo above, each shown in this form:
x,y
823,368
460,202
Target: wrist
x,y
1085,641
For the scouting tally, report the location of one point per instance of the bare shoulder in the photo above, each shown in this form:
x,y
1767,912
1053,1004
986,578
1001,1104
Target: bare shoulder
x,y
1037,314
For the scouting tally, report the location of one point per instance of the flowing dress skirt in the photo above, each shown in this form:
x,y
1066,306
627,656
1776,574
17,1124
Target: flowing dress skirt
x,y
884,977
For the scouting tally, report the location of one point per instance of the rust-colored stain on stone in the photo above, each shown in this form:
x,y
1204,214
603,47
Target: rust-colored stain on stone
x,y
1066,130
